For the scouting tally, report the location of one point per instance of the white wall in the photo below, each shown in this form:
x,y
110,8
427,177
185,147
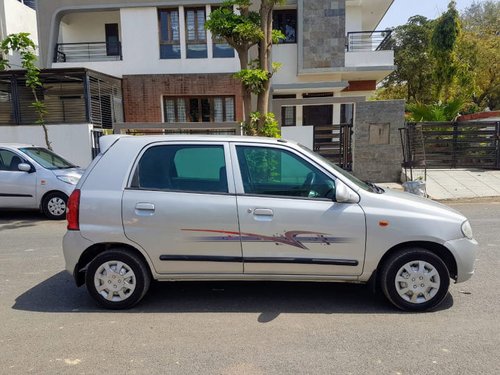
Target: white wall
x,y
285,54
140,45
15,18
302,134
369,58
86,27
353,18
70,141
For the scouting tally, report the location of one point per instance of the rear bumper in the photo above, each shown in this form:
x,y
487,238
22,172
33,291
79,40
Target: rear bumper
x,y
464,251
73,247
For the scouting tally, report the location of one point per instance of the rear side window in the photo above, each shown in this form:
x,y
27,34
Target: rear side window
x,y
182,168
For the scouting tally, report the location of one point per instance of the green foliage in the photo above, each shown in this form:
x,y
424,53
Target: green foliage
x,y
253,79
262,125
443,47
413,76
22,43
435,112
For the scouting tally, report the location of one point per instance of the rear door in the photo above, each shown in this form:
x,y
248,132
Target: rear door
x,y
17,188
180,207
289,222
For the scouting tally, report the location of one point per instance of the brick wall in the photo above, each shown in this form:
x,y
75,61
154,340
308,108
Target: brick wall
x,y
142,94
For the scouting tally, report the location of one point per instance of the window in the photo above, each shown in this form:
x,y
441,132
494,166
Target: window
x,y
196,35
112,39
182,168
286,22
277,172
220,47
199,109
9,161
170,47
288,113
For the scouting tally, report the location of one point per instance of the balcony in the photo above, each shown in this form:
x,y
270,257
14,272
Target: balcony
x,y
88,52
365,41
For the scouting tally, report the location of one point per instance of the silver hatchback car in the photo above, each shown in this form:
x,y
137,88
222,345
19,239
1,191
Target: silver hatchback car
x,y
34,177
247,208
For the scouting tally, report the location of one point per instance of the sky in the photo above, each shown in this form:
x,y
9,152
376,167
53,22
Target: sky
x,y
401,10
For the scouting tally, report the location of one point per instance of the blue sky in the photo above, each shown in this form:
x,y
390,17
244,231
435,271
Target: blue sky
x,y
401,10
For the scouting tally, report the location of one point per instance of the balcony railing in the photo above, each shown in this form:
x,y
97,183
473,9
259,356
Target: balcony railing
x,y
362,41
92,51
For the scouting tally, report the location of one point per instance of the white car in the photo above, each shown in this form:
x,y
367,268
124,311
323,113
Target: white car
x,y
34,177
246,208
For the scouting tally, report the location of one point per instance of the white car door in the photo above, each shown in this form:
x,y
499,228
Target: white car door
x,y
289,222
17,188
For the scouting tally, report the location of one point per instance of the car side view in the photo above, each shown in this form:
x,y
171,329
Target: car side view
x,y
246,208
36,178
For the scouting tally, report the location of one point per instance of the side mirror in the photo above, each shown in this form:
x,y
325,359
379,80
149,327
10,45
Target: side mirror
x,y
344,194
24,167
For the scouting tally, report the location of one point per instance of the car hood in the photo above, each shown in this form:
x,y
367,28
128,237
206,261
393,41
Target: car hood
x,y
414,203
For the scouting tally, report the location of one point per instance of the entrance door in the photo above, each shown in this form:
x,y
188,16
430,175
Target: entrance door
x,y
112,39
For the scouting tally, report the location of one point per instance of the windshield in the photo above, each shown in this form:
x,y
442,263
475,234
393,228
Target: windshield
x,y
339,170
46,158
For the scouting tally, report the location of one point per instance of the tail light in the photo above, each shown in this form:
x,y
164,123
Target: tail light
x,y
73,212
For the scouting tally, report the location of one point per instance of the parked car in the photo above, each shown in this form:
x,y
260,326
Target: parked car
x,y
247,208
34,177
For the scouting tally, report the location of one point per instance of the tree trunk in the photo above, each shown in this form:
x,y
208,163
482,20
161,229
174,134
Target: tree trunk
x,y
264,60
247,95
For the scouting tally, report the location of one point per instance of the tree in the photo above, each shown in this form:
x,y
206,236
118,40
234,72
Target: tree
x,y
413,77
443,48
242,31
478,51
22,43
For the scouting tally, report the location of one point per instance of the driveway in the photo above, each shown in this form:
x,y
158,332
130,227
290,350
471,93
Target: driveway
x,y
48,326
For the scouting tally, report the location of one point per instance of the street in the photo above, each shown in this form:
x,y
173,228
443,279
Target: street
x,y
48,326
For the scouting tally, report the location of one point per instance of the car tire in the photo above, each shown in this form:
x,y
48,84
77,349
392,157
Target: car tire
x,y
415,279
117,279
54,206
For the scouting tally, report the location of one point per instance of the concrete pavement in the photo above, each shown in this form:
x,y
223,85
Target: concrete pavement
x,y
453,184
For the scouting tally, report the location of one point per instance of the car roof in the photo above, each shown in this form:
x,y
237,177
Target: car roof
x,y
16,145
106,141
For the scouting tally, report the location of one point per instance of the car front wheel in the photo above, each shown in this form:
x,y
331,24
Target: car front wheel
x,y
415,279
117,279
54,206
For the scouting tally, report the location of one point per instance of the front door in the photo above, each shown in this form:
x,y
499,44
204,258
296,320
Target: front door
x,y
289,222
181,209
17,188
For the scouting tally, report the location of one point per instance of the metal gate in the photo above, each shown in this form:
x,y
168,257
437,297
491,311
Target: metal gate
x,y
95,134
472,144
333,142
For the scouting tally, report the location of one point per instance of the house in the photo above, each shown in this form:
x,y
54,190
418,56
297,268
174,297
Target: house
x,y
173,70
175,76
17,16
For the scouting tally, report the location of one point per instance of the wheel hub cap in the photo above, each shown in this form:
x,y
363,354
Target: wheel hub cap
x,y
56,206
115,281
417,281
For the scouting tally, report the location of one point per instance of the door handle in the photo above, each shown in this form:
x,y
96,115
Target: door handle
x,y
263,212
145,207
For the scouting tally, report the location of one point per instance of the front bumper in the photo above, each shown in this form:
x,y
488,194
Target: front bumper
x,y
464,251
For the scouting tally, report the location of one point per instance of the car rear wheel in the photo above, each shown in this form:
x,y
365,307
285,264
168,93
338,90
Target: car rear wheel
x,y
415,279
117,279
54,206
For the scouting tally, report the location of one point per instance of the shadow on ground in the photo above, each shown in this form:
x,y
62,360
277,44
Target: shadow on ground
x,y
59,294
14,219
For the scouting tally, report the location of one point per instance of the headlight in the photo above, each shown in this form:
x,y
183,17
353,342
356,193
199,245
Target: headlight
x,y
467,230
73,180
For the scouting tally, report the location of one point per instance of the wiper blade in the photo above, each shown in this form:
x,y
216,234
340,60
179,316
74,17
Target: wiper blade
x,y
375,188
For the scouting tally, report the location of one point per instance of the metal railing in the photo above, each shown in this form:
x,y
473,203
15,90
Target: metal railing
x,y
91,51
360,41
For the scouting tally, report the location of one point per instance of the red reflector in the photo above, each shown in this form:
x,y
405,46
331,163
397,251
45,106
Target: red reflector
x,y
72,214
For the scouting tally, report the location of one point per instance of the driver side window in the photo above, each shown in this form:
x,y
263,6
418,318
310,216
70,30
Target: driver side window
x,y
9,161
277,172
